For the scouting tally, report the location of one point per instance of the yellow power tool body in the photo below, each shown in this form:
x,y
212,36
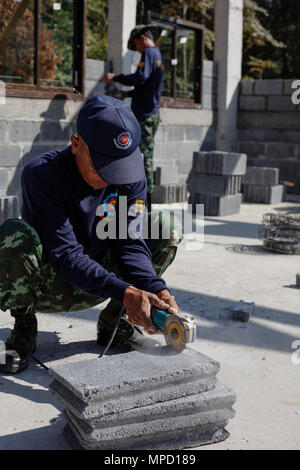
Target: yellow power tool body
x,y
178,329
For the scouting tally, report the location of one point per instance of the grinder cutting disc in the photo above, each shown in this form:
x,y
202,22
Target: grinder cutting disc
x,y
175,333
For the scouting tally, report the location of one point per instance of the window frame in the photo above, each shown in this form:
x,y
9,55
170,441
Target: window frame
x,y
172,101
79,43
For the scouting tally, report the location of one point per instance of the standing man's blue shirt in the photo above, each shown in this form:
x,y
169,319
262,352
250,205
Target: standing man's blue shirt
x,y
147,81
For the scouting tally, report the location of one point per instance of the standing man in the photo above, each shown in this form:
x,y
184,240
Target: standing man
x,y
147,82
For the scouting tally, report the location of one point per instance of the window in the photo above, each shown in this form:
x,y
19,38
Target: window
x,y
182,47
41,47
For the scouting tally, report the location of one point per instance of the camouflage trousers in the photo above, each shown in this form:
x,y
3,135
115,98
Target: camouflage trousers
x,y
28,280
149,127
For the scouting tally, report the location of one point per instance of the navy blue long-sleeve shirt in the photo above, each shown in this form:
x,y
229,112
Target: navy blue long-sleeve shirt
x,y
147,81
62,207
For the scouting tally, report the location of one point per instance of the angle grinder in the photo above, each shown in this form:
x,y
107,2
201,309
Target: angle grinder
x,y
178,329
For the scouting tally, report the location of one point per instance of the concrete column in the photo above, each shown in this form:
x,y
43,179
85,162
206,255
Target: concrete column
x,y
228,55
121,20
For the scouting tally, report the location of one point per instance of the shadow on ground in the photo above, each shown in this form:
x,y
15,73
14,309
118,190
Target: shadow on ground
x,y
230,228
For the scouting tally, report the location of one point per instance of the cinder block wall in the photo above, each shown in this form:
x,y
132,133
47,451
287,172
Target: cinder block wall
x,y
29,127
269,124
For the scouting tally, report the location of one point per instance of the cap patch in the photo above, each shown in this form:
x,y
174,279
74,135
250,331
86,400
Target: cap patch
x,y
123,141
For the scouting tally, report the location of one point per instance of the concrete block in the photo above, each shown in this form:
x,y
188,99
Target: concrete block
x,y
252,103
218,185
209,101
94,87
287,86
207,146
281,103
209,68
247,87
263,162
194,133
217,205
252,148
54,132
291,136
219,163
174,133
209,399
263,194
169,193
10,155
134,385
209,86
24,131
4,178
265,120
268,87
245,135
3,126
290,171
158,426
208,135
9,208
160,134
165,175
208,434
95,69
281,150
96,410
14,185
262,176
265,135
243,311
179,150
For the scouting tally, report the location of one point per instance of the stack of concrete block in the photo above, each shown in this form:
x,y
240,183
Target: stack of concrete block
x,y
216,180
142,400
9,208
167,189
261,185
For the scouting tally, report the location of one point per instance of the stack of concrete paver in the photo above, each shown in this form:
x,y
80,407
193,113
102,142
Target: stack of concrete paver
x,y
144,400
216,180
167,189
9,208
261,185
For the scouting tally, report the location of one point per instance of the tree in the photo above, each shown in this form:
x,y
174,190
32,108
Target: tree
x,y
283,21
17,60
257,40
257,37
97,26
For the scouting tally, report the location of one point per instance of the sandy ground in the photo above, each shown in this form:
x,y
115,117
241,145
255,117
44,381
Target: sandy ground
x,y
255,358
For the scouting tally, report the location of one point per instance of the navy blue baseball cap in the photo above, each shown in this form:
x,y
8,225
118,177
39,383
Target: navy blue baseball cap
x,y
112,133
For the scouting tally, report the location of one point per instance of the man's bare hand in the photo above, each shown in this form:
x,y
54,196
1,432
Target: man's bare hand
x,y
138,305
108,77
166,297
